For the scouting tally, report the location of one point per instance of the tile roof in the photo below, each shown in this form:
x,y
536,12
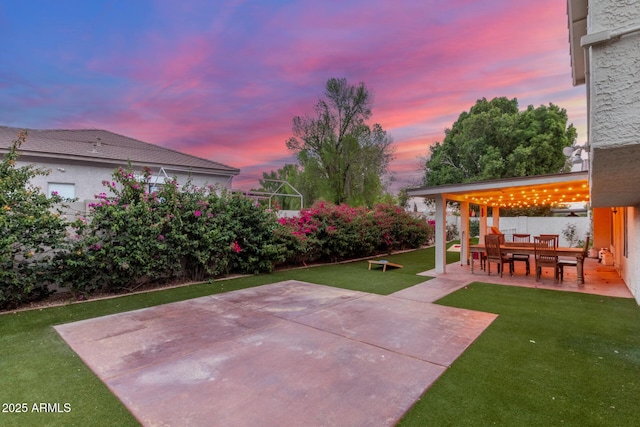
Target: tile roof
x,y
101,145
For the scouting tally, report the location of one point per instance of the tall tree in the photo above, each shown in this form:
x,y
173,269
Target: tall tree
x,y
338,150
495,140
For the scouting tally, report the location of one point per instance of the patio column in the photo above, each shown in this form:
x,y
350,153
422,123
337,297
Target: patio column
x,y
441,234
483,222
495,211
464,233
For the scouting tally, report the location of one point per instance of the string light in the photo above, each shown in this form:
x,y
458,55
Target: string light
x,y
537,196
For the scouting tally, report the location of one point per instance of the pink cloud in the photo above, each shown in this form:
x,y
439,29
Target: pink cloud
x,y
222,80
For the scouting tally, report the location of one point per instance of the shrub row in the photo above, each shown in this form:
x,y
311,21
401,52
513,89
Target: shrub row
x,y
326,232
132,238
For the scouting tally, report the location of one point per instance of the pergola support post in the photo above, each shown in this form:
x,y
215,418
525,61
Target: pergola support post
x,y
495,212
464,232
483,222
441,234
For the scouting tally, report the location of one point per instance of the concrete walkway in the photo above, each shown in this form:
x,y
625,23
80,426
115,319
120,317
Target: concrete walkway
x,y
285,354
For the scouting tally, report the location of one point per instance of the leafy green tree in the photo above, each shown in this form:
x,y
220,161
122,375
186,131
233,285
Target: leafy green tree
x,y
403,198
274,181
32,230
338,151
495,140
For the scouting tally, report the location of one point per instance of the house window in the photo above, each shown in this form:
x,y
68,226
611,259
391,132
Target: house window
x,y
68,191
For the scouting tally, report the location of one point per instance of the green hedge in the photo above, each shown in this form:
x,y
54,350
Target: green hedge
x,y
31,232
132,238
327,232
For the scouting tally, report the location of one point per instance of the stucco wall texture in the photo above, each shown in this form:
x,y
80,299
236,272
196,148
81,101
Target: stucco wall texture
x,y
615,74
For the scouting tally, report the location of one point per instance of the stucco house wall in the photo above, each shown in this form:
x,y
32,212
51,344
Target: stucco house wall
x,y
88,178
632,264
614,77
612,46
626,247
80,160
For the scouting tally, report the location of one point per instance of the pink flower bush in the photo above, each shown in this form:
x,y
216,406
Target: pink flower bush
x,y
193,233
332,232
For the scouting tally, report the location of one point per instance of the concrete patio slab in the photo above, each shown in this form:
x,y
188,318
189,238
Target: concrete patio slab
x,y
287,374
112,345
290,353
291,298
428,332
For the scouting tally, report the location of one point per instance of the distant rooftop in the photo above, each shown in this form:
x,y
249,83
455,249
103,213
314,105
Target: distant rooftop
x,y
100,145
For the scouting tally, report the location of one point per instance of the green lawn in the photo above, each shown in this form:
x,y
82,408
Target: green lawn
x,y
36,365
550,358
583,367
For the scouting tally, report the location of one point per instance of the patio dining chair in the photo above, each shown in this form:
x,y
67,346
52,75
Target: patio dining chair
x,y
492,244
521,238
562,263
546,255
493,231
555,236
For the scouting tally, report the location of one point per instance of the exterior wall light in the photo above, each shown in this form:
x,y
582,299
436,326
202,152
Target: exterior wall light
x,y
575,153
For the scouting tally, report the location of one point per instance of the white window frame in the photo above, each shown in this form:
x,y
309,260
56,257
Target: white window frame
x,y
66,190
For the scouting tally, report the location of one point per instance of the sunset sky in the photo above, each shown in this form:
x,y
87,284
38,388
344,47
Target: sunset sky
x,y
222,79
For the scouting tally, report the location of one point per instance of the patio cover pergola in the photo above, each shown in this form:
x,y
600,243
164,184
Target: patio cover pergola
x,y
530,191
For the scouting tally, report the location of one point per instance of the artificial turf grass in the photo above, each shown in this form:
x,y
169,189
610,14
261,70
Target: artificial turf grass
x,y
36,365
550,358
356,275
56,373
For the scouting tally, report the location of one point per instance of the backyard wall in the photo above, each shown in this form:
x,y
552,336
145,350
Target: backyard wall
x,y
544,225
534,225
288,213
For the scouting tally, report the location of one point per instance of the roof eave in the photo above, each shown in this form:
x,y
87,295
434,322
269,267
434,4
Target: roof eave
x,y
43,156
577,20
514,192
498,183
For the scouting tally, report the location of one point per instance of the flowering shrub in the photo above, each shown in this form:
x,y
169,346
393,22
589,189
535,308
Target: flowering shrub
x,y
31,231
399,229
131,238
296,237
134,238
331,232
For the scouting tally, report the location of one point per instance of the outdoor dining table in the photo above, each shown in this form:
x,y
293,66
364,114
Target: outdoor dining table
x,y
528,249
